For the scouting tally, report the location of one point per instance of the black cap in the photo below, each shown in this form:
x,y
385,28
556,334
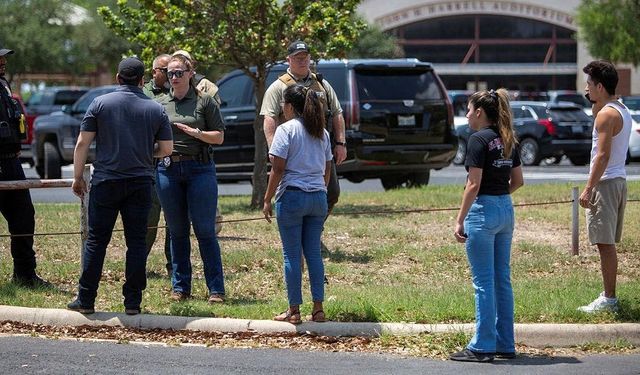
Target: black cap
x,y
131,68
5,51
297,47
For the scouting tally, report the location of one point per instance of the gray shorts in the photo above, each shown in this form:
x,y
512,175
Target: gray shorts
x,y
606,214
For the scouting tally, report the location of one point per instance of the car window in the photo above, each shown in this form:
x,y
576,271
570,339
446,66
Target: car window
x,y
83,104
574,98
34,99
66,97
520,113
632,103
397,84
636,118
234,93
570,114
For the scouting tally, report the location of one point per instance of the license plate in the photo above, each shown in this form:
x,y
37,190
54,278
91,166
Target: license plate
x,y
407,120
576,129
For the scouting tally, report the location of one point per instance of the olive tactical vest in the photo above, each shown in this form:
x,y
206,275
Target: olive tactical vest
x,y
314,83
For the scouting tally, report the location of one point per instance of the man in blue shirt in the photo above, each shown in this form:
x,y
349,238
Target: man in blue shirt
x,y
129,130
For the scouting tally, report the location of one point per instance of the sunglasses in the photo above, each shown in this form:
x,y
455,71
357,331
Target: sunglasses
x,y
175,73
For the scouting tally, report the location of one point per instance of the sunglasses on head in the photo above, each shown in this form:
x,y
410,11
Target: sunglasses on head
x,y
175,73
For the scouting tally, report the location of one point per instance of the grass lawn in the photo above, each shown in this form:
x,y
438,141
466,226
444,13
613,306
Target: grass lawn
x,y
381,267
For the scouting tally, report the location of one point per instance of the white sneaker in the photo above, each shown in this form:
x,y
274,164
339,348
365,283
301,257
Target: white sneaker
x,y
601,303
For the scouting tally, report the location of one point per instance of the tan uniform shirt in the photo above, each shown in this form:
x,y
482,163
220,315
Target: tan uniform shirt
x,y
274,98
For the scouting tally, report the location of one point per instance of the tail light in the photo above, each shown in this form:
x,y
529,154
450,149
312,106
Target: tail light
x,y
551,129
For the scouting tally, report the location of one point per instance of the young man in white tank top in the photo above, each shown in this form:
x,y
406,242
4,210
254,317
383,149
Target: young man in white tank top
x,y
605,195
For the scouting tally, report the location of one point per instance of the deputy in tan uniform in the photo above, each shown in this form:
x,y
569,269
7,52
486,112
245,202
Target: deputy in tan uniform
x,y
299,72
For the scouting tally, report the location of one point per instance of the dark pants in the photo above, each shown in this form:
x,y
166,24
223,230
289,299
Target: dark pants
x,y
333,189
132,199
152,233
17,209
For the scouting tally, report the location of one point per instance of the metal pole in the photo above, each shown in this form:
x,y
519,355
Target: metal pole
x,y
575,222
84,212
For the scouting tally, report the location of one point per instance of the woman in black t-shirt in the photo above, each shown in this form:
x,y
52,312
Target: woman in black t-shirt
x,y
485,223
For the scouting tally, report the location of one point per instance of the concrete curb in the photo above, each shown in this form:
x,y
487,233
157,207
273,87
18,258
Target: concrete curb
x,y
535,335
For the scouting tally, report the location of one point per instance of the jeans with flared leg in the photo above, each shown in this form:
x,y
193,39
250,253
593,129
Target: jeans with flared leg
x,y
489,226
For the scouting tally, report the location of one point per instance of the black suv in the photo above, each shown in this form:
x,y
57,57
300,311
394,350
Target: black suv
x,y
399,120
55,135
545,130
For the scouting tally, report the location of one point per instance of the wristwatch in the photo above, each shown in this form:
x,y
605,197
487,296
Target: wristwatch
x,y
343,144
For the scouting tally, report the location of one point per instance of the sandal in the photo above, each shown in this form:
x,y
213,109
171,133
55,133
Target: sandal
x,y
318,317
288,316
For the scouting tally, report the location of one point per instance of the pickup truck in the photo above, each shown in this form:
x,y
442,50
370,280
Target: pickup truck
x,y
55,135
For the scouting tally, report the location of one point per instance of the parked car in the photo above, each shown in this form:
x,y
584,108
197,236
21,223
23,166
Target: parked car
x,y
459,99
55,135
545,130
25,147
632,102
399,121
634,138
51,99
574,97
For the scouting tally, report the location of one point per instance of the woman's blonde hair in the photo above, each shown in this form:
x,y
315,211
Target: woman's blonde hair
x,y
496,106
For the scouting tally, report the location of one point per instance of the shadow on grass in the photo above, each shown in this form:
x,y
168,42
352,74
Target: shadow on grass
x,y
355,210
339,256
11,289
629,311
230,238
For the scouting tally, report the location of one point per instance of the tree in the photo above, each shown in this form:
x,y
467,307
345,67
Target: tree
x,y
610,29
375,43
57,36
241,34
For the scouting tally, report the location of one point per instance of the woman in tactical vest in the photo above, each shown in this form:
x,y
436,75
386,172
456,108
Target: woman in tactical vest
x,y
301,157
186,180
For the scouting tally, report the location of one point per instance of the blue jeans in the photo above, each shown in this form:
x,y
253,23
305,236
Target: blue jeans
x,y
300,221
188,192
131,198
489,225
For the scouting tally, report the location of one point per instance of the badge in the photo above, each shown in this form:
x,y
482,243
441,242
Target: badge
x,y
166,161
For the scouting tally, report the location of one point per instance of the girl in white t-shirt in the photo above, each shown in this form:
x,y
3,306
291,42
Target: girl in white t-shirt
x,y
300,156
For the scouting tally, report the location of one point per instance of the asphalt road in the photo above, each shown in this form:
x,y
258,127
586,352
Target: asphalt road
x,y
453,174
29,355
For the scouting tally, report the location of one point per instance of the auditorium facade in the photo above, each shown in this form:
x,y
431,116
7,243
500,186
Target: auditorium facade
x,y
474,44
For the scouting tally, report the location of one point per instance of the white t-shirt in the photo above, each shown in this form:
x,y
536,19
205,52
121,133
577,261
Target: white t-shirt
x,y
619,145
306,157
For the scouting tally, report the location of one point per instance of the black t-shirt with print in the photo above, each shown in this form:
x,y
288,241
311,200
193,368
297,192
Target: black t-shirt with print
x,y
485,151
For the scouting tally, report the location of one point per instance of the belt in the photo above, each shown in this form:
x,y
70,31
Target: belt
x,y
179,158
293,188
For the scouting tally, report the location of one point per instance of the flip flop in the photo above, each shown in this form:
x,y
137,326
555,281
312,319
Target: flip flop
x,y
287,316
318,317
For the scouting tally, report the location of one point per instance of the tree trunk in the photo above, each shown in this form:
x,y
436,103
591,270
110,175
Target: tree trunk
x,y
260,159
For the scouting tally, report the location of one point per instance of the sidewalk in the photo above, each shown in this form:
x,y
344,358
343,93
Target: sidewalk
x,y
534,335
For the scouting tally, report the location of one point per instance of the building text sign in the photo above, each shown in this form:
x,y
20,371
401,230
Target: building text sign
x,y
454,8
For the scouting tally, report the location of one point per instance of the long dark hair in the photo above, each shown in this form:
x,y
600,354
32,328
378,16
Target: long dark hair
x,y
306,104
496,105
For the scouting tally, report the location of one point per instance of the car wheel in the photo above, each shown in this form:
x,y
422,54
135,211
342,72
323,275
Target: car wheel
x,y
579,160
461,154
419,179
52,167
529,152
393,181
